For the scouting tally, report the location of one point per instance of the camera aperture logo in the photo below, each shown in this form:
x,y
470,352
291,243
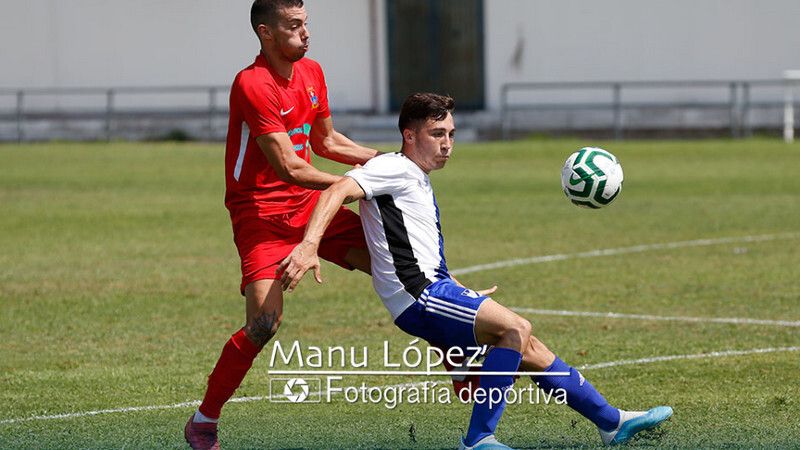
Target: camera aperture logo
x,y
294,390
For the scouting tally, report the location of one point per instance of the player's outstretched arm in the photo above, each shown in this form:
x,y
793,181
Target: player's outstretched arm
x,y
330,144
279,150
304,257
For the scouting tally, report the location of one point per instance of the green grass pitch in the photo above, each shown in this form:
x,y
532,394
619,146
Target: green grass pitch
x,y
119,286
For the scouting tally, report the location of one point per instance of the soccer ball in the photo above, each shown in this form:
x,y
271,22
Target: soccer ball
x,y
591,177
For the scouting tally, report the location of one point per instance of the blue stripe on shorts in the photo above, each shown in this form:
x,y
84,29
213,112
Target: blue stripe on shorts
x,y
443,315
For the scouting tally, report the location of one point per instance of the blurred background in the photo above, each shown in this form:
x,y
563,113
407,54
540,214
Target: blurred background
x,y
109,70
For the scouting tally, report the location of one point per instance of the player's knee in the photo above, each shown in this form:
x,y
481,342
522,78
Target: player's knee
x,y
516,334
263,327
523,328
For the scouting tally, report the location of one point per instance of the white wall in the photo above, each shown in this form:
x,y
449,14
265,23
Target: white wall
x,y
60,43
340,42
114,43
578,40
107,43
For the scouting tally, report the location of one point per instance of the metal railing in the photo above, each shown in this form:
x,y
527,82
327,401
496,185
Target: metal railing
x,y
737,101
112,109
108,111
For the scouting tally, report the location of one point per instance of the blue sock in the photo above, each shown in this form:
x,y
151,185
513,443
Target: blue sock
x,y
581,395
484,419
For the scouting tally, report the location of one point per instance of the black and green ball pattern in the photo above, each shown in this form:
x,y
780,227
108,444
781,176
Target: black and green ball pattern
x,y
592,177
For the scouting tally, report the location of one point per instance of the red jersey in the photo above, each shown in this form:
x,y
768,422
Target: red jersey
x,y
263,102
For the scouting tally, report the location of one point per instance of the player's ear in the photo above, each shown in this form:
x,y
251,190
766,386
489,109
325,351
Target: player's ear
x,y
408,136
263,32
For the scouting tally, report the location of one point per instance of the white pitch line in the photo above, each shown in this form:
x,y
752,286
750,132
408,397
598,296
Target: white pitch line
x,y
624,362
613,315
193,403
622,251
627,362
106,411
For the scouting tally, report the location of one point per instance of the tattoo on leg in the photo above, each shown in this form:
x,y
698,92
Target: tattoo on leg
x,y
263,328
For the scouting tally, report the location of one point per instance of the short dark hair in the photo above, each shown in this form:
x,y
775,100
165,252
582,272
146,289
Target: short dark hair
x,y
266,11
422,106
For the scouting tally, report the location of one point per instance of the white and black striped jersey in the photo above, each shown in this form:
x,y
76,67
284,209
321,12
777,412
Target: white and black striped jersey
x,y
402,228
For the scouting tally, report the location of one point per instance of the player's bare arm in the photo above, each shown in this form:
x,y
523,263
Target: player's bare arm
x,y
278,149
330,144
304,256
486,292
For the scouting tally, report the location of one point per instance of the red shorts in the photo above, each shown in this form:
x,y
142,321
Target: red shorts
x,y
263,242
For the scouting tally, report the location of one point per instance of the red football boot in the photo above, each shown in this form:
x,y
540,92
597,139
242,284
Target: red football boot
x,y
201,436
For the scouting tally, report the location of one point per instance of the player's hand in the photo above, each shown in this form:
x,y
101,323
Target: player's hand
x,y
302,258
488,292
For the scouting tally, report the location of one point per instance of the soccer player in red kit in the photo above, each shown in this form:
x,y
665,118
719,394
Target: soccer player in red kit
x,y
278,115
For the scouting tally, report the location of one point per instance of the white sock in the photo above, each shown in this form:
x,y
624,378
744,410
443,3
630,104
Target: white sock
x,y
200,418
628,415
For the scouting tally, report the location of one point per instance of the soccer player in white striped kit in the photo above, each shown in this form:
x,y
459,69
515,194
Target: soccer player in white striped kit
x,y
401,223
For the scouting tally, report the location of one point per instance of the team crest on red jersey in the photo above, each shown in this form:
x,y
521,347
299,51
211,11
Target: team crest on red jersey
x,y
313,96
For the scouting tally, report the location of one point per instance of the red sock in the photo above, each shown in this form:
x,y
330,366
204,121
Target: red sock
x,y
236,359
